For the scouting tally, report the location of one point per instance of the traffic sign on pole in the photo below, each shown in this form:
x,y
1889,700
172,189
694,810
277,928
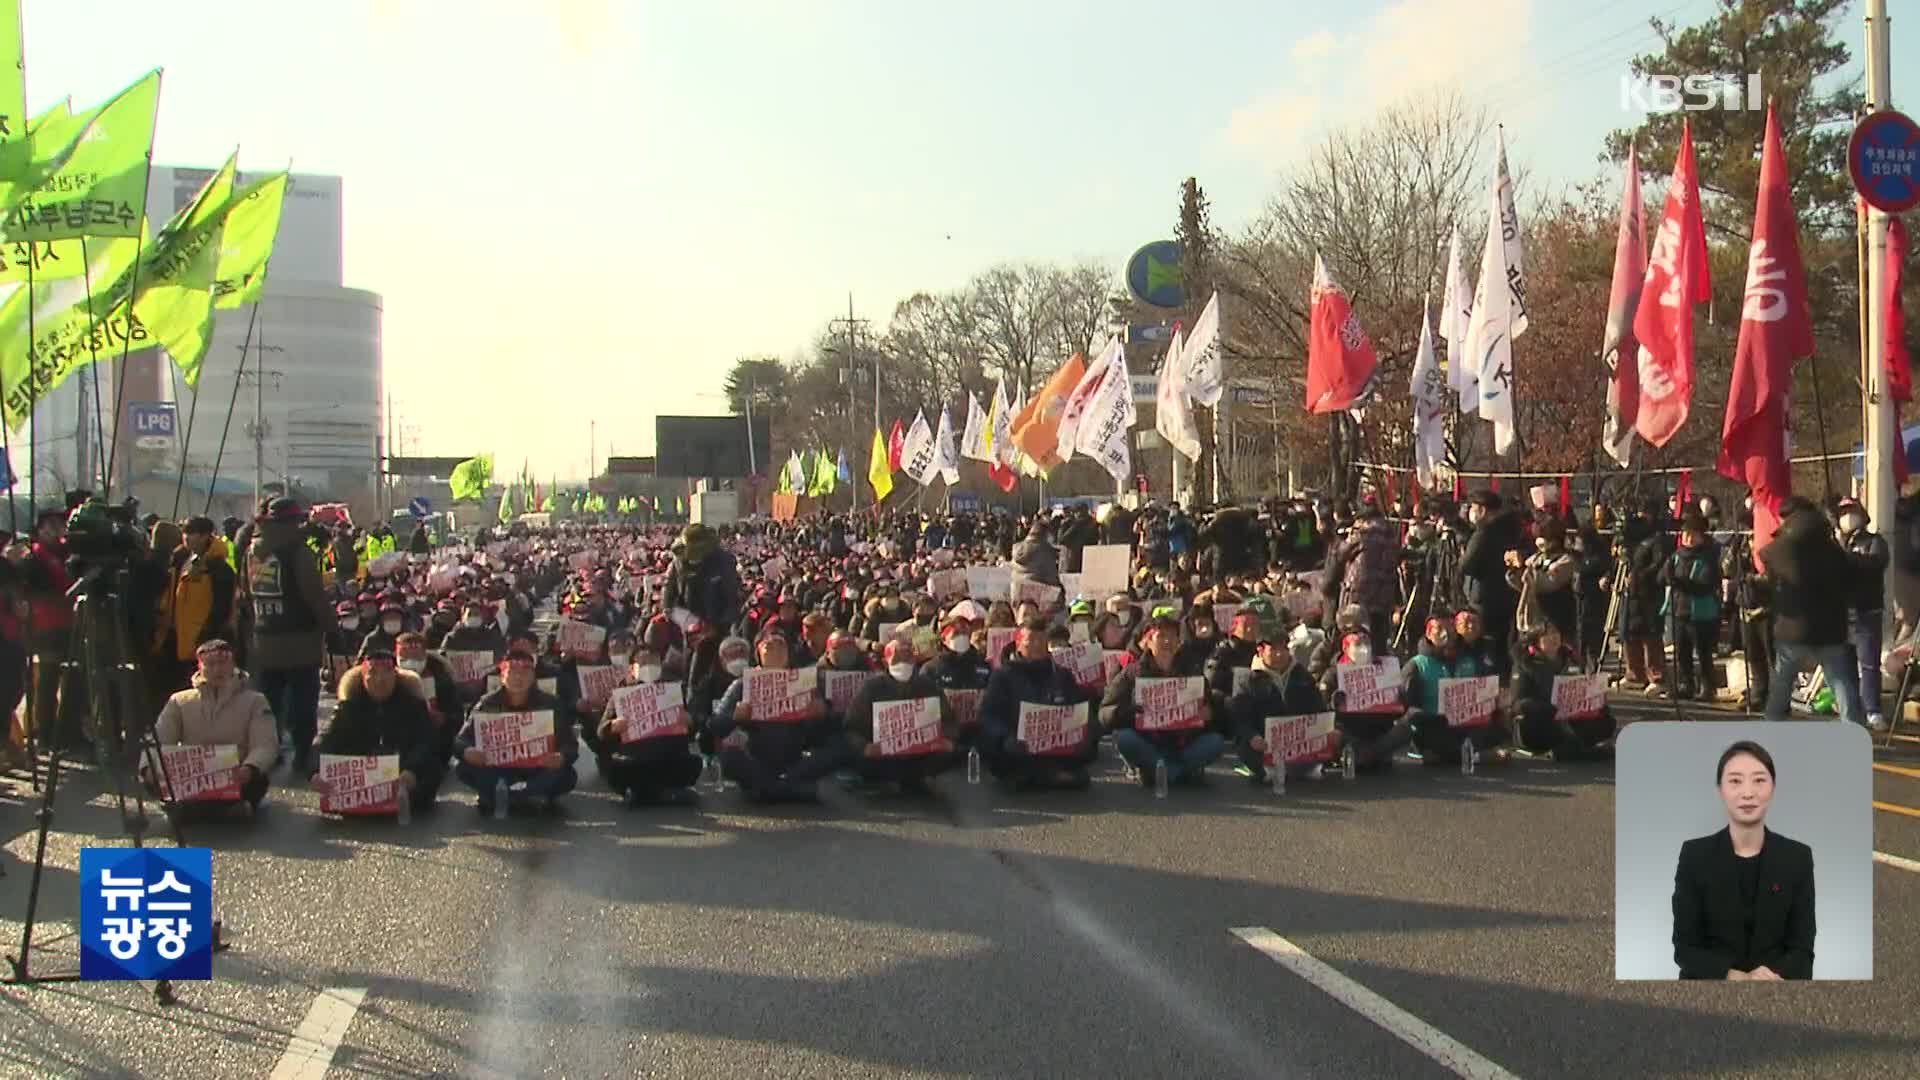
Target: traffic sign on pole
x,y
1884,158
419,506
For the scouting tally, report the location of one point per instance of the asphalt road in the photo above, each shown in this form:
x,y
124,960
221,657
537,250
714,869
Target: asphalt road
x,y
973,933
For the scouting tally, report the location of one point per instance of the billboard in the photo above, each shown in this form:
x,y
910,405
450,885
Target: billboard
x,y
716,446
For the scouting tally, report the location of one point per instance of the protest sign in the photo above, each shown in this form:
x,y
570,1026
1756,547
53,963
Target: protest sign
x,y
781,695
989,582
906,728
351,784
1169,704
203,773
1469,702
516,740
549,685
470,665
1103,570
1084,661
1579,697
1052,730
965,705
650,710
946,584
842,685
597,682
1301,740
1079,630
998,638
1070,584
886,632
1112,662
1370,688
581,639
1037,592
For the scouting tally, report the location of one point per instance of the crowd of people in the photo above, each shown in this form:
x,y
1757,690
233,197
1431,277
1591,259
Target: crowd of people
x,y
917,643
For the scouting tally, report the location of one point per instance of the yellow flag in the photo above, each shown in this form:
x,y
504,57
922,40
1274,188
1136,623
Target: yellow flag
x,y
880,468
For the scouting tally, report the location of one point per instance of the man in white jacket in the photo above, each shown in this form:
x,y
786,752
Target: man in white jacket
x,y
221,709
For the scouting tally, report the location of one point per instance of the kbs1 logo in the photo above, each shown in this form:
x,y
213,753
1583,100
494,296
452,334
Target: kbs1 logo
x,y
1691,93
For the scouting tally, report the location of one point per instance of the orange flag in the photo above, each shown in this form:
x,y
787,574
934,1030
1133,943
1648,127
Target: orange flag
x,y
1036,428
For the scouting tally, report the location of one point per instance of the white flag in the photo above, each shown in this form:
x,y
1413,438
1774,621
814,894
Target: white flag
x,y
1509,225
1173,417
1489,333
1000,425
944,457
1429,392
1107,427
1083,394
973,443
916,451
1200,357
1456,308
796,474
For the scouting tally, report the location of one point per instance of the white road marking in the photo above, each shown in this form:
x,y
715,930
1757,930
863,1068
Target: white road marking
x,y
1896,862
1403,1025
310,1052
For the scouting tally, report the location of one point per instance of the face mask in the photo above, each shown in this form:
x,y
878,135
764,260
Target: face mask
x,y
900,672
471,622
737,667
391,626
619,659
415,666
959,644
648,673
350,622
1126,617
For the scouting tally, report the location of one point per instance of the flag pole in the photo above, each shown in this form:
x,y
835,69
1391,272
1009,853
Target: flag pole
x,y
126,341
246,343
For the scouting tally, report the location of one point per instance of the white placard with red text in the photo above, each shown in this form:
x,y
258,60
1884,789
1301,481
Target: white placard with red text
x,y
906,728
1579,697
1301,740
998,638
1370,688
1084,661
1469,702
597,682
353,784
1052,730
1037,592
781,695
650,710
581,639
965,705
1169,704
1112,663
203,773
944,584
842,685
516,740
470,665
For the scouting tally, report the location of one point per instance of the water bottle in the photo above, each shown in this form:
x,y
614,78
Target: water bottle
x,y
403,805
1466,757
715,781
1349,763
500,799
1279,778
1160,779
973,765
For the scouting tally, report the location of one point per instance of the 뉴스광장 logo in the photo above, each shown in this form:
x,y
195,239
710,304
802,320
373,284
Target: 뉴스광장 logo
x,y
146,913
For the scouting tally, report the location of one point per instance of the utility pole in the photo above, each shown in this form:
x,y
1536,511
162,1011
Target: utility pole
x,y
853,326
1882,433
259,429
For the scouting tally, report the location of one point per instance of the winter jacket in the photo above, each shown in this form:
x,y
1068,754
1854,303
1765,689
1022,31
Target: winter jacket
x,y
1042,682
1534,672
1372,559
291,615
400,725
236,716
199,605
1808,568
1290,694
49,609
1120,710
1035,560
1420,677
1692,578
1483,565
565,742
1545,584
884,688
1867,554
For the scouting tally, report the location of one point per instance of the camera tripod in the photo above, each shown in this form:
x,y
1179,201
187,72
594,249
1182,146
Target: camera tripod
x,y
99,659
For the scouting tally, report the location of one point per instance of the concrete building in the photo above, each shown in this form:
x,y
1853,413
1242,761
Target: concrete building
x,y
309,413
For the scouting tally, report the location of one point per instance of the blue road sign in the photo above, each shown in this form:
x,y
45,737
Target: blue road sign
x,y
1154,274
1884,158
419,506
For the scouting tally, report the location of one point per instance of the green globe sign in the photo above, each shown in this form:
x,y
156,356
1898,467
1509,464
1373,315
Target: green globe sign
x,y
1155,275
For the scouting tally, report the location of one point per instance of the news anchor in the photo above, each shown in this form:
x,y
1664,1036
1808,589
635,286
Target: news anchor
x,y
1743,896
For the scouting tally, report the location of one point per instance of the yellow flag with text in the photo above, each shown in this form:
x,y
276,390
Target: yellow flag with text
x,y
880,468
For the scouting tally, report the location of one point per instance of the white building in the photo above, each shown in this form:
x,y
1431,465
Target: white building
x,y
310,399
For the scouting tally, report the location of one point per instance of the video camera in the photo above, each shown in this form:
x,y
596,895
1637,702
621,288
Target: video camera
x,y
100,538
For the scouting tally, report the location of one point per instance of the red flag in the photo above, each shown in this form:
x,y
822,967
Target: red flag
x,y
1774,332
896,442
1004,475
1682,492
1894,320
1566,497
1676,280
1340,357
1619,348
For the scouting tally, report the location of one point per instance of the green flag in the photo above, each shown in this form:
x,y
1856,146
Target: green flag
x,y
13,74
471,477
96,183
546,506
247,242
823,475
177,273
69,329
506,506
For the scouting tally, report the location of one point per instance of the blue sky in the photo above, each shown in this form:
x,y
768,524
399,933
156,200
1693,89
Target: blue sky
x,y
585,209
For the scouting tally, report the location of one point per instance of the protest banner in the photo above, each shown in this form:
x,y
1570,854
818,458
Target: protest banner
x,y
842,685
597,682
581,639
516,740
1370,688
1079,630
1301,740
1579,697
1169,704
1037,592
351,784
998,638
1112,662
1052,730
1104,570
965,705
989,582
650,710
1469,702
946,584
781,695
1084,661
906,728
1070,585
203,773
470,666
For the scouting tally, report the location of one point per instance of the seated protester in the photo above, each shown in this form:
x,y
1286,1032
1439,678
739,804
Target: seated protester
x,y
843,654
1374,736
1473,641
1233,654
1543,656
615,651
960,669
381,711
345,638
476,632
1185,753
1115,628
1441,657
658,771
393,623
1000,615
902,682
220,709
1277,687
676,647
775,760
437,688
706,687
1029,675
926,613
544,783
1330,647
445,617
815,629
1203,633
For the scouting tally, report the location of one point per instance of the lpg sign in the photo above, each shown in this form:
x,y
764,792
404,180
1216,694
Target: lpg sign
x,y
153,424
